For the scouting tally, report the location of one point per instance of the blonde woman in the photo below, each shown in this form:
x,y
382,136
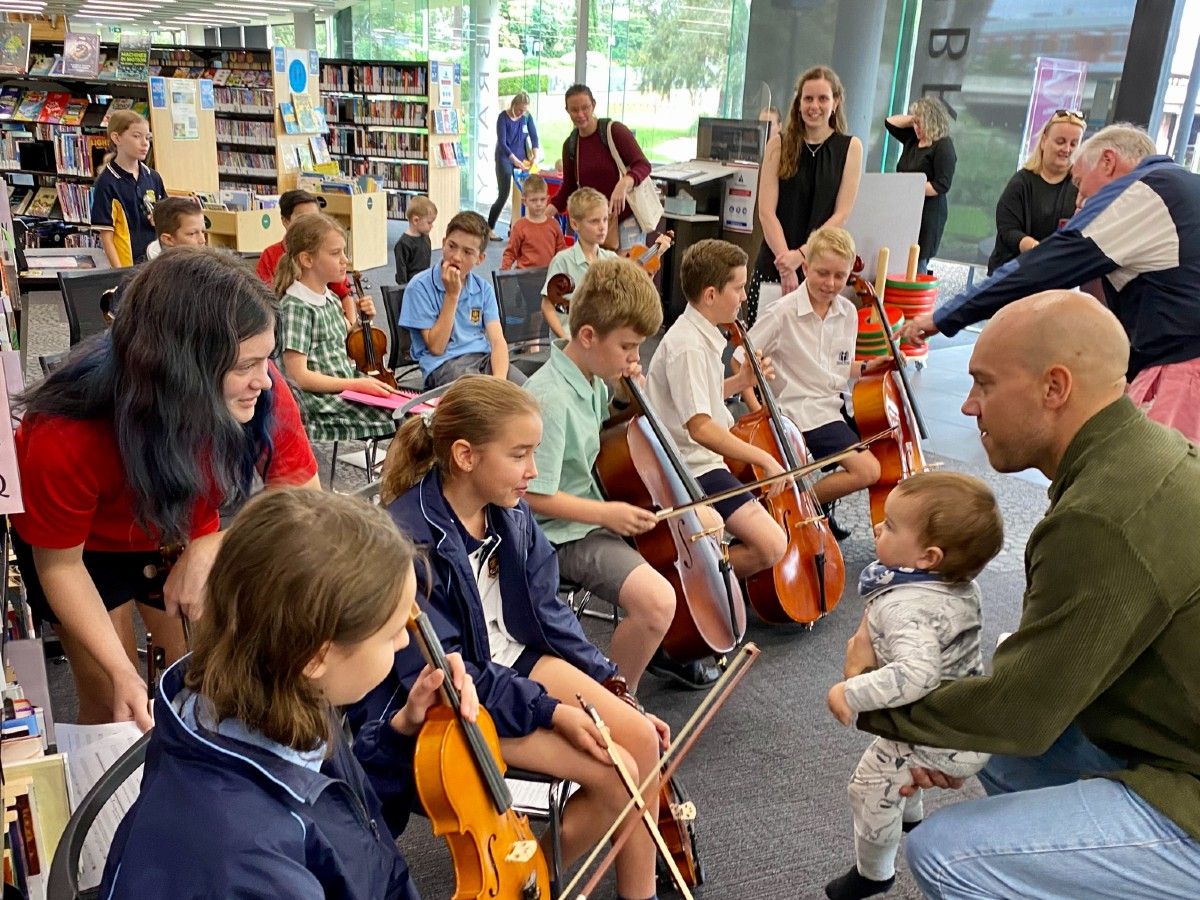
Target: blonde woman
x,y
516,136
925,134
1041,195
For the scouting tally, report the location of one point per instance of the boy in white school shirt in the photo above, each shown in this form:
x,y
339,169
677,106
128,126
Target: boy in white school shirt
x,y
810,334
686,386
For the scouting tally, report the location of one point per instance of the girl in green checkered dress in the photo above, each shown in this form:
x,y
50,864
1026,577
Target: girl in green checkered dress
x,y
314,325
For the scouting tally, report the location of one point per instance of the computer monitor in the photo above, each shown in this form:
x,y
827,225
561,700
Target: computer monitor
x,y
731,140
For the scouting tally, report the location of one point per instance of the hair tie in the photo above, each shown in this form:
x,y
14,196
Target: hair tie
x,y
427,420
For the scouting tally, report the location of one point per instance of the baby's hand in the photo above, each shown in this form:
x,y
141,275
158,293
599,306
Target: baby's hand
x,y
836,700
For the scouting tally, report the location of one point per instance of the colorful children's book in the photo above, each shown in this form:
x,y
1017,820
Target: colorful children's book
x,y
306,157
305,114
30,106
40,64
221,76
9,97
108,68
43,202
54,107
81,55
287,113
14,48
73,114
320,150
134,55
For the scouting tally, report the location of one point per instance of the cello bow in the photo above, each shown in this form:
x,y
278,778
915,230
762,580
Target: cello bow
x,y
666,767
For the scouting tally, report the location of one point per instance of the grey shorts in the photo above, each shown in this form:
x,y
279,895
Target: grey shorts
x,y
599,562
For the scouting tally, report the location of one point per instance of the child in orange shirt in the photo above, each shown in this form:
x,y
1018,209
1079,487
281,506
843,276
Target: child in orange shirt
x,y
534,239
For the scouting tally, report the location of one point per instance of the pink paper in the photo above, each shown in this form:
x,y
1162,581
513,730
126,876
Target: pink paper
x,y
393,401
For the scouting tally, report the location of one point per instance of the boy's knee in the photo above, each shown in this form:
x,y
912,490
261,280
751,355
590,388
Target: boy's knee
x,y
774,545
870,469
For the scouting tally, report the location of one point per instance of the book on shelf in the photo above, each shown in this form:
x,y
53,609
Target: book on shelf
x,y
30,106
108,68
14,48
74,112
320,150
41,64
266,201
81,55
304,153
287,112
117,103
54,107
43,202
133,56
9,97
238,201
305,113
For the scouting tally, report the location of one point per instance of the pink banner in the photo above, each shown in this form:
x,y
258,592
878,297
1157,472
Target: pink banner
x,y
1057,84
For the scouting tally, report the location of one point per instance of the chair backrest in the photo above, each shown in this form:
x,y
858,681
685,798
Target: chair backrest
x,y
63,883
81,295
519,293
400,347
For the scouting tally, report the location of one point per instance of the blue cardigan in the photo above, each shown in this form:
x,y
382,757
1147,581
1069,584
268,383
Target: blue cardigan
x,y
218,817
510,135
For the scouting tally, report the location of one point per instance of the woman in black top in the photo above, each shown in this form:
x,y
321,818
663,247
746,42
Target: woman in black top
x,y
809,179
1041,195
928,150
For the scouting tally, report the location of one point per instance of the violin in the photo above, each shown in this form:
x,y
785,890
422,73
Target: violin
x,y
459,776
559,290
366,344
649,258
884,401
640,465
807,583
677,825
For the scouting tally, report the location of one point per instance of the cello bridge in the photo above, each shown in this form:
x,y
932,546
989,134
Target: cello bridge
x,y
521,852
684,812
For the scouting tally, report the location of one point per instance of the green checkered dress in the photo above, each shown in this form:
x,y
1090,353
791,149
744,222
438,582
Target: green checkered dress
x,y
319,332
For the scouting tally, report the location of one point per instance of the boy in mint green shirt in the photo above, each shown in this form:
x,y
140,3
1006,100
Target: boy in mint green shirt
x,y
613,311
588,212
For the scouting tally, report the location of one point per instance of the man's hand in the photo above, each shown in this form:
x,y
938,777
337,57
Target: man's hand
x,y
923,779
860,655
183,591
836,701
918,328
627,520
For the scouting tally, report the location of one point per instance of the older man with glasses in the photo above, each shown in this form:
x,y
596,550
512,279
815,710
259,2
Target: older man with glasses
x,y
1138,230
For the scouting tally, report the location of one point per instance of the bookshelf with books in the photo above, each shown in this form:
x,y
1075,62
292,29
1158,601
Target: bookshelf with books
x,y
54,103
399,123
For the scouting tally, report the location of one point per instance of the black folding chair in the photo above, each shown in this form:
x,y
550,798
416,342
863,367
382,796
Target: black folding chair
x,y
399,359
81,293
519,294
63,883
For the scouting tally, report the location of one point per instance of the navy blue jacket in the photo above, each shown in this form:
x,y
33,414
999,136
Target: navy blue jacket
x,y
218,817
1141,232
533,614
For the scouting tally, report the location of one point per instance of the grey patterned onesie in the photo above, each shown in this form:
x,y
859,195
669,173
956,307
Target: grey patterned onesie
x,y
923,632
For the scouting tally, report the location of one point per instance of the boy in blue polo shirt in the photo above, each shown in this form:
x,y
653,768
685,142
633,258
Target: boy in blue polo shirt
x,y
452,314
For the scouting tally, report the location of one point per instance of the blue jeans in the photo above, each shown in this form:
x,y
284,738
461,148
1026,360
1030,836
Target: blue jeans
x,y
1048,831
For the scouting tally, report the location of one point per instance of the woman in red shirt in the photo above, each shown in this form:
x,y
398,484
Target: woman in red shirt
x,y
132,447
588,162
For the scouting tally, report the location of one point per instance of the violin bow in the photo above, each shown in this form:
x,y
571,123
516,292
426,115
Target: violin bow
x,y
798,472
639,801
667,765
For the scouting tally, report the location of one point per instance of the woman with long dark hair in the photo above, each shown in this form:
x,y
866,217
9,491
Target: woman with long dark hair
x,y
130,449
809,180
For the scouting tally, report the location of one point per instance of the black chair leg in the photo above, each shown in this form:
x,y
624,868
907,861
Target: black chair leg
x,y
333,465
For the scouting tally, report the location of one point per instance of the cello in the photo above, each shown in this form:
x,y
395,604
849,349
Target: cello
x,y
639,464
883,401
807,583
459,776
366,344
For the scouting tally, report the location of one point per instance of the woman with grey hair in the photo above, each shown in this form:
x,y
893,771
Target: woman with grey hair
x,y
925,135
516,145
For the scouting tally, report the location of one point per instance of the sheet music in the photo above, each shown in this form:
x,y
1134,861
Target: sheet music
x,y
91,750
533,797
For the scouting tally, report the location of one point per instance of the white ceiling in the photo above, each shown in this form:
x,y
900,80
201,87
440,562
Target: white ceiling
x,y
152,14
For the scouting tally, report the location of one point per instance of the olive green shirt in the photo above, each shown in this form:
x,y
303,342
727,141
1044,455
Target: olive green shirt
x,y
1109,637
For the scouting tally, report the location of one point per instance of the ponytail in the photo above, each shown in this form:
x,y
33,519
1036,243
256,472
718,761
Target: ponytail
x,y
119,122
304,235
474,410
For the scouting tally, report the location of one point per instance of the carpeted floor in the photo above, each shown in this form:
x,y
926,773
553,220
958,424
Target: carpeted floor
x,y
769,775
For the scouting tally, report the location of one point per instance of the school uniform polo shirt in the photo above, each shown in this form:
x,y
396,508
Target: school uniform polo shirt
x,y
686,379
423,300
812,356
137,195
572,262
572,412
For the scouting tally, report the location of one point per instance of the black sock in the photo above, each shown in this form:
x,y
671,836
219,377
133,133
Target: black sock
x,y
909,826
853,886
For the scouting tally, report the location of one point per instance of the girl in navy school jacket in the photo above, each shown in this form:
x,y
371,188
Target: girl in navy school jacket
x,y
250,789
454,481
